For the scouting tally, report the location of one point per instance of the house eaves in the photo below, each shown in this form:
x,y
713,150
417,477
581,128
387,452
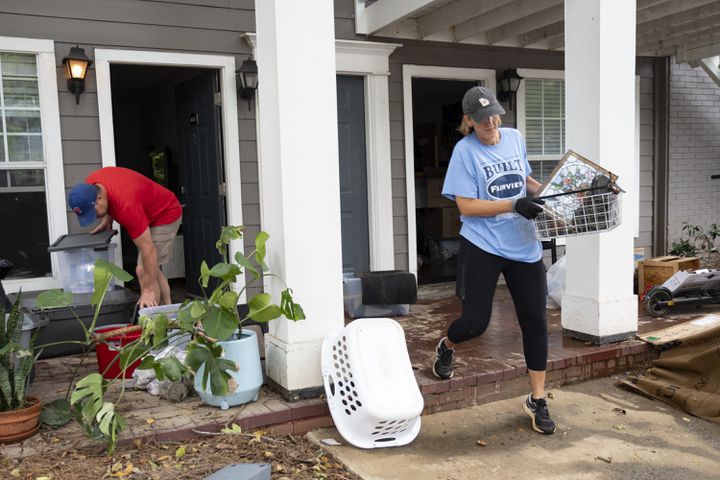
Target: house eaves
x,y
683,28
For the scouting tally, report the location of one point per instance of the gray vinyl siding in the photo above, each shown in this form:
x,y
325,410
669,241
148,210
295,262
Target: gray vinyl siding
x,y
454,55
191,26
344,11
451,55
215,27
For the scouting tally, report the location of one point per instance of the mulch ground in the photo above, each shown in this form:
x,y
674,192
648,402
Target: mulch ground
x,y
291,457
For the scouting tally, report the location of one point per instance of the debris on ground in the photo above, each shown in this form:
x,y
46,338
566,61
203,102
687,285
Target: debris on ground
x,y
330,441
290,456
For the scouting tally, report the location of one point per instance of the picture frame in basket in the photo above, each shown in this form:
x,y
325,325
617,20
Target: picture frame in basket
x,y
572,172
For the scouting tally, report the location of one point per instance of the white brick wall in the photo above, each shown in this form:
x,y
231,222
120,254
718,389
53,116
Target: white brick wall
x,y
694,150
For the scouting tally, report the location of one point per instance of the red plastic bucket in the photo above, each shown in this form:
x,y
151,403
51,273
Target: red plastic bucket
x,y
107,352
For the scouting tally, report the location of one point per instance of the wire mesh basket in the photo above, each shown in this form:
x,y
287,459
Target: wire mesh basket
x,y
578,212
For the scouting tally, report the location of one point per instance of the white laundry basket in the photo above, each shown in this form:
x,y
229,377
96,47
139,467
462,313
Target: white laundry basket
x,y
370,386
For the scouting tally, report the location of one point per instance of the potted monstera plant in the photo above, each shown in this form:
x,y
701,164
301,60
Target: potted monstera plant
x,y
221,355
219,343
19,413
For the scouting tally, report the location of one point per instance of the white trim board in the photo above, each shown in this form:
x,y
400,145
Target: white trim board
x,y
442,73
230,132
52,150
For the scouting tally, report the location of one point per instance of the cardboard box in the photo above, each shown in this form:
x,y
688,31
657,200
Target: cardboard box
x,y
656,271
442,222
434,193
682,331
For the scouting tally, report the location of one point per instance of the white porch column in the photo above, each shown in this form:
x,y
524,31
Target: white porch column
x,y
599,304
299,181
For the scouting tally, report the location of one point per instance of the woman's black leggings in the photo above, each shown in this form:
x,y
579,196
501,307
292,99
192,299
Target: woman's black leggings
x,y
478,272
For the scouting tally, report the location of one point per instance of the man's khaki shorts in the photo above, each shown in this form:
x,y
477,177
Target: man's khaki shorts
x,y
163,237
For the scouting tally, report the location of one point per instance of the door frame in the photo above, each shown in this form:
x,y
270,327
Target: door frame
x,y
231,137
370,61
440,73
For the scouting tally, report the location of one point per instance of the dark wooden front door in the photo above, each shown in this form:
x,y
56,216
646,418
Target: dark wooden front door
x,y
202,177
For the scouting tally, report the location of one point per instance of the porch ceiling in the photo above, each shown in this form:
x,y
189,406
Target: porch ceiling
x,y
685,28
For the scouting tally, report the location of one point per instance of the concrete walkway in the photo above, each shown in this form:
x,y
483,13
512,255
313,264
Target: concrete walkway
x,y
604,432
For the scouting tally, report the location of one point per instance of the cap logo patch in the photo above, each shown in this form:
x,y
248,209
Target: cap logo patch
x,y
77,210
484,102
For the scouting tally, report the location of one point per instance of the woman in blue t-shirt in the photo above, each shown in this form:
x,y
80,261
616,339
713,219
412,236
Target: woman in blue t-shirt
x,y
489,179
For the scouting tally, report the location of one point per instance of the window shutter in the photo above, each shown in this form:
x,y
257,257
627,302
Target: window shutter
x,y
545,116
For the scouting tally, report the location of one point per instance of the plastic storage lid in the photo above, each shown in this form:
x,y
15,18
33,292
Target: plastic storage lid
x,y
82,240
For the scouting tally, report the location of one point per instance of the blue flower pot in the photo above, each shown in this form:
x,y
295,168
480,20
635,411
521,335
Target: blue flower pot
x,y
243,351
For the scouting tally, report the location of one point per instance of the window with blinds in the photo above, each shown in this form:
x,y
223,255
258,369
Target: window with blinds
x,y
544,124
23,203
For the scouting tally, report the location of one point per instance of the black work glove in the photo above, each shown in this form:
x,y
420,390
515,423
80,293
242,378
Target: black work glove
x,y
528,207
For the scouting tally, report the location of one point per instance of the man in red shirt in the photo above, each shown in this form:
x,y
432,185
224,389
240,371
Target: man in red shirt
x,y
150,213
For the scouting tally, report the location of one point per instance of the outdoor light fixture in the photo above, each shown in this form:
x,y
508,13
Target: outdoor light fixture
x,y
248,76
77,64
508,85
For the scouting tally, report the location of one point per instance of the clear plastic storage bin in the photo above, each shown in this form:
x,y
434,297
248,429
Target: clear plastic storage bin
x,y
370,385
76,254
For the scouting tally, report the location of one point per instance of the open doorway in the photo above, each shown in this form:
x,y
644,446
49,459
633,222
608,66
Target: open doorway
x,y
167,125
437,112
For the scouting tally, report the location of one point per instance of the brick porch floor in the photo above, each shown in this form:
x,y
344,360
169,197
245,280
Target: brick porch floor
x,y
488,368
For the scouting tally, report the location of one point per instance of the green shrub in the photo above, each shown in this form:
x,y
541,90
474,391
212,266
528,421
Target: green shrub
x,y
698,242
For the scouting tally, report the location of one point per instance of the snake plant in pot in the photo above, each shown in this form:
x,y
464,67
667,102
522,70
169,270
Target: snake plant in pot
x,y
19,414
212,323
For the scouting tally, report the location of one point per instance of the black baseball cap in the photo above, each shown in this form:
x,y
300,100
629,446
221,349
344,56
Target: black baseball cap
x,y
480,103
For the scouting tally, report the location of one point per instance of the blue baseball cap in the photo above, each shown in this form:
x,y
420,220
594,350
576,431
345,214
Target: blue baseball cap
x,y
82,201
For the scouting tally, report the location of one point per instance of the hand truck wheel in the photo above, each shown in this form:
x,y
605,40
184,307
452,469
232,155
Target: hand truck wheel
x,y
656,301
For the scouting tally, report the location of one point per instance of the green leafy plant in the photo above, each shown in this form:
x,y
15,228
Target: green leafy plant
x,y
87,404
215,318
16,361
208,321
683,248
696,241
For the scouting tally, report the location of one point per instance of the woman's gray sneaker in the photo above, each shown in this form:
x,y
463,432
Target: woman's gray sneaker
x,y
442,367
537,409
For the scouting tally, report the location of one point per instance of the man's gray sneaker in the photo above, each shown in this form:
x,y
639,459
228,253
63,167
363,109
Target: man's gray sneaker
x,y
537,410
442,367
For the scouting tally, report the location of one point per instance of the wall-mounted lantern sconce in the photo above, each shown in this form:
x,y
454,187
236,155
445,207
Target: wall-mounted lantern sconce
x,y
77,64
508,85
248,77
